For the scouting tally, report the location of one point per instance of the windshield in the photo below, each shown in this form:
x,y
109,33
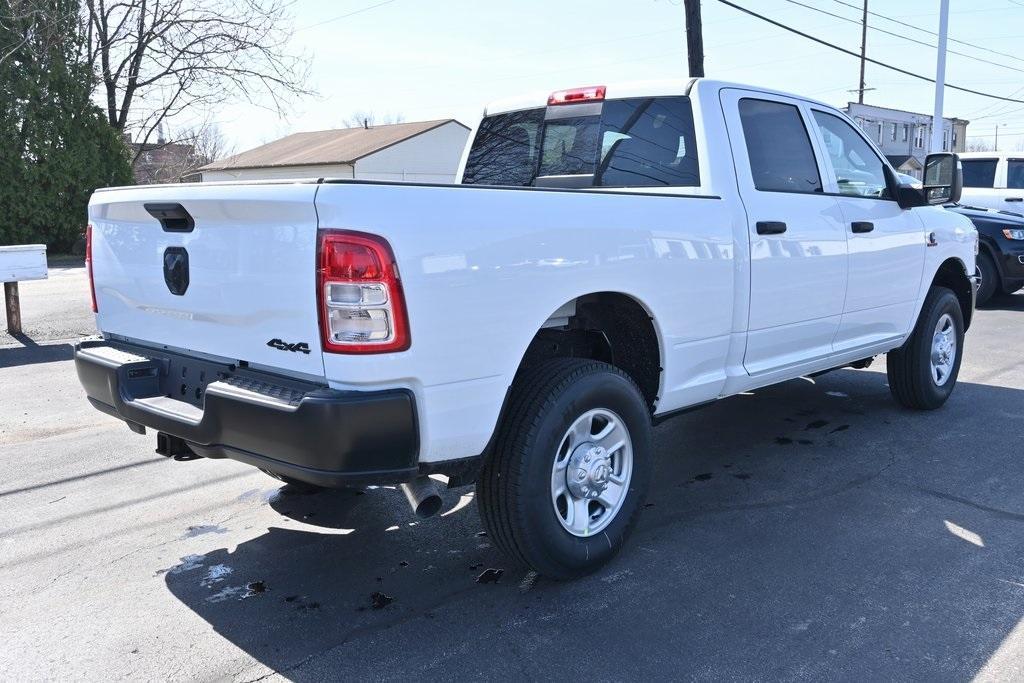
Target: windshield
x,y
637,142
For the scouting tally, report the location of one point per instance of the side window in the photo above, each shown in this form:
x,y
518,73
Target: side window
x,y
859,171
1015,174
505,149
979,172
647,142
779,149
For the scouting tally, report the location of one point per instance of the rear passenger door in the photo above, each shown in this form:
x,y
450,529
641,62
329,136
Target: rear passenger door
x,y
798,258
886,243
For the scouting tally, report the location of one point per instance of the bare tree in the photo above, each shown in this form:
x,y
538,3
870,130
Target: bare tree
x,y
155,59
181,156
982,144
361,118
39,22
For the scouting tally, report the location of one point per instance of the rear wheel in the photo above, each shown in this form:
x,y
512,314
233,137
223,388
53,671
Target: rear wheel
x,y
989,278
570,468
923,372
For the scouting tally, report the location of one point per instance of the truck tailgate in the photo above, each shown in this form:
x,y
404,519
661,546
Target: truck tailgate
x,y
251,280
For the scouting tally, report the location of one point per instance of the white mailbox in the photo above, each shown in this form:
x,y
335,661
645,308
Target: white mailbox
x,y
23,262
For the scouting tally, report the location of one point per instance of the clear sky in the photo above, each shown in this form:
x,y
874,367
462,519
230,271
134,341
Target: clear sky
x,y
448,58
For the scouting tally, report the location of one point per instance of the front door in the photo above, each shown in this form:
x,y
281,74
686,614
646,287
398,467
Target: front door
x,y
886,243
798,247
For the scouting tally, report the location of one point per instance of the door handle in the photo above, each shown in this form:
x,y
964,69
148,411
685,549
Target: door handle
x,y
862,226
172,217
1015,199
770,227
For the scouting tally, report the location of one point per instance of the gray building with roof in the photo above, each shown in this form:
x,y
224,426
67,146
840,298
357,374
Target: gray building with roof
x,y
421,151
904,136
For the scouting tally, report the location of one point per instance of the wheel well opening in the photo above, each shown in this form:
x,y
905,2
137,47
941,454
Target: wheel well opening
x,y
952,275
606,326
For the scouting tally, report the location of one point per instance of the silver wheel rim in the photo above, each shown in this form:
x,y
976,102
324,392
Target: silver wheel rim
x,y
943,354
591,473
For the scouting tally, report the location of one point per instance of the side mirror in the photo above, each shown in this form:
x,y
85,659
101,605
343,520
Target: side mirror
x,y
907,191
943,178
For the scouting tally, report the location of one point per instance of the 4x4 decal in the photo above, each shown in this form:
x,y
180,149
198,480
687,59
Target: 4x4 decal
x,y
301,347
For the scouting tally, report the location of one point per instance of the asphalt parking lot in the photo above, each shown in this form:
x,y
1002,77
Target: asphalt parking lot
x,y
809,531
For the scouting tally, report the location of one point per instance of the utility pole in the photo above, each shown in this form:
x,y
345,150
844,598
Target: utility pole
x,y
997,138
694,38
863,51
940,77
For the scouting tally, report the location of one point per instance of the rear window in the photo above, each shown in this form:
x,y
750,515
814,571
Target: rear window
x,y
979,172
638,142
1015,174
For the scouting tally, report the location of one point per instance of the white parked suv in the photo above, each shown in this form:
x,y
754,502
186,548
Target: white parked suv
x,y
994,180
613,256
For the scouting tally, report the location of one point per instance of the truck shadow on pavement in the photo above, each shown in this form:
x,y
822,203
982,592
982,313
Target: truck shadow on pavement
x,y
811,530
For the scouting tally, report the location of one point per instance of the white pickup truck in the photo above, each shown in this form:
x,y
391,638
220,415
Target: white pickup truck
x,y
994,180
612,256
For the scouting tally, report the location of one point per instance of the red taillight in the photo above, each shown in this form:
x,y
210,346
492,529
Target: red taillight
x,y
362,307
594,93
88,267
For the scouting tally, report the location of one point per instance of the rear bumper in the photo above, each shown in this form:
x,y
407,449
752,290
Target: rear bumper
x,y
296,429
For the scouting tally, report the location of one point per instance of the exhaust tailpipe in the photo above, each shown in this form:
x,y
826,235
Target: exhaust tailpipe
x,y
423,496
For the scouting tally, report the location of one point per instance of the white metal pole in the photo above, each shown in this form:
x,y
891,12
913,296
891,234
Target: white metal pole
x,y
940,76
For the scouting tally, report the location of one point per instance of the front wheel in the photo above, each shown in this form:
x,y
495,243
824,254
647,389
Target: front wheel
x,y
570,468
923,371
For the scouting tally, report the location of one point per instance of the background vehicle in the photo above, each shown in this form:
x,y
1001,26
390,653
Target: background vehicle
x,y
1001,256
994,180
614,255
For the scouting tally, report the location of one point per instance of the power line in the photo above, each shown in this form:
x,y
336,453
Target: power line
x,y
869,59
932,33
907,38
349,14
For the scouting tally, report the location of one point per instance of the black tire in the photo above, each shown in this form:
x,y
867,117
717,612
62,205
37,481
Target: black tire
x,y
990,281
514,492
909,367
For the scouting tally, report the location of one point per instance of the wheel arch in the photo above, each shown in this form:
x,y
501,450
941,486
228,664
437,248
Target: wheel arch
x,y
612,326
568,332
993,253
952,274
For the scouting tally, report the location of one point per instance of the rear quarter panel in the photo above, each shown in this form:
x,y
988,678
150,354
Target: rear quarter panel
x,y
483,268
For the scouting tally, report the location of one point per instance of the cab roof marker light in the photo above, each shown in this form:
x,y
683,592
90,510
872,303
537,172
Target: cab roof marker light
x,y
593,93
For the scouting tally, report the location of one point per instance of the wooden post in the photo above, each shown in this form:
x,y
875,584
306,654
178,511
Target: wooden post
x,y
13,307
694,38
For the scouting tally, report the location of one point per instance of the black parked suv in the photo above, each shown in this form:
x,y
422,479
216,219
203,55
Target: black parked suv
x,y
1001,256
